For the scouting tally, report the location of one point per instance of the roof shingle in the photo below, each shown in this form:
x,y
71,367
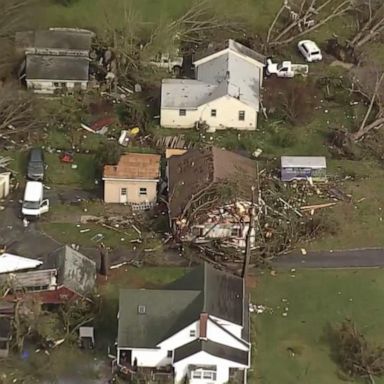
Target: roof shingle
x,y
134,166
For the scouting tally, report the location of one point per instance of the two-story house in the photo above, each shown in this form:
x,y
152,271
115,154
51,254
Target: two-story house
x,y
196,328
224,94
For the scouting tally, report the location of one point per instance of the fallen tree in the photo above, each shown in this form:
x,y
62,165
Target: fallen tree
x,y
370,22
297,18
367,81
357,357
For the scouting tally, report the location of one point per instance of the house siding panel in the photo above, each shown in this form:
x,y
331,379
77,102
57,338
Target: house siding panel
x,y
180,338
218,335
182,367
112,191
48,87
227,115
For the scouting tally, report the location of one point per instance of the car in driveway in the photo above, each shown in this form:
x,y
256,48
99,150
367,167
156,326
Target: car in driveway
x,y
310,50
36,166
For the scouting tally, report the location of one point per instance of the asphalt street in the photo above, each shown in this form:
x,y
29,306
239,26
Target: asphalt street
x,y
351,258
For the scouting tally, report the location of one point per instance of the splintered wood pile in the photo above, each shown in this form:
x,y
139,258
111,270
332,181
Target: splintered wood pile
x,y
286,214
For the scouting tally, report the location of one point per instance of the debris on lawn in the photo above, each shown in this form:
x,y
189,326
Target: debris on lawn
x,y
177,142
316,206
258,309
98,237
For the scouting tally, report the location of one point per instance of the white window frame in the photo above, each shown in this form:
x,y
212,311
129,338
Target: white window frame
x,y
182,112
143,193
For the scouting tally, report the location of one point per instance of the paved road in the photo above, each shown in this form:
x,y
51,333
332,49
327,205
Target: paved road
x,y
370,257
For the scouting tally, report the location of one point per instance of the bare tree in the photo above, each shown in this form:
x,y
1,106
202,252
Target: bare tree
x,y
370,21
357,357
296,18
367,82
17,114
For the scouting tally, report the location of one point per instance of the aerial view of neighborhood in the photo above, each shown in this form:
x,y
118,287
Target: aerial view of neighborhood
x,y
191,191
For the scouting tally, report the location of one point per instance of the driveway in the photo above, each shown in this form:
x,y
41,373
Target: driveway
x,y
351,258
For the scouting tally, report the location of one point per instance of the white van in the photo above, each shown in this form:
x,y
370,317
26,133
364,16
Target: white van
x,y
33,203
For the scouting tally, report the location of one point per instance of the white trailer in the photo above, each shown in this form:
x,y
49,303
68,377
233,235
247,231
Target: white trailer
x,y
286,69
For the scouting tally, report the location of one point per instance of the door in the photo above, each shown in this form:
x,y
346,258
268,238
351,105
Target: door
x,y
123,195
44,206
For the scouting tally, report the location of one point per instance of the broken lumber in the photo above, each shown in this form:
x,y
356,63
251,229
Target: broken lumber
x,y
316,206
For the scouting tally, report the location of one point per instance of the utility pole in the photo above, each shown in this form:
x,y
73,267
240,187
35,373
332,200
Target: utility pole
x,y
251,228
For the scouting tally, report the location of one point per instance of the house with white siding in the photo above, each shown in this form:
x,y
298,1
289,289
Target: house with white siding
x,y
224,94
56,59
195,329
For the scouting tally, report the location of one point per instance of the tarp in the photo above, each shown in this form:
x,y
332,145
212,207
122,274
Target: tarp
x,y
12,263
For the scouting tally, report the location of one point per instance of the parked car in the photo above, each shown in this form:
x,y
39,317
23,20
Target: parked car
x,y
34,204
310,50
36,166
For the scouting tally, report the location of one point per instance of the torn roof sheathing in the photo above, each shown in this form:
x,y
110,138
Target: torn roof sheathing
x,y
12,263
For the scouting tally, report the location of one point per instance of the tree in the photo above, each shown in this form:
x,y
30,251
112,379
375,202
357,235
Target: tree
x,y
17,114
14,14
356,356
367,81
107,153
296,18
370,22
294,99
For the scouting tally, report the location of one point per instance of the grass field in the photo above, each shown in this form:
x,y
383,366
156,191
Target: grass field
x,y
315,300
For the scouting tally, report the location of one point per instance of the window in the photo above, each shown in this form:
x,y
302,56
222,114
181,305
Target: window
x,y
123,192
196,375
192,333
204,374
182,112
198,231
57,85
235,232
213,112
141,309
242,115
169,354
143,192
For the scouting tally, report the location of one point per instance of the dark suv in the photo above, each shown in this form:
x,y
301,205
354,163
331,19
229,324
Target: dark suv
x,y
36,167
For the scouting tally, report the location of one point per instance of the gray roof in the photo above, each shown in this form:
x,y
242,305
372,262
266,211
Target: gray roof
x,y
46,67
184,93
166,312
228,72
203,290
303,162
75,271
60,39
212,348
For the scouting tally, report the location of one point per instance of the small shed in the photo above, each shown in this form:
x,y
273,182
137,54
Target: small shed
x,y
303,167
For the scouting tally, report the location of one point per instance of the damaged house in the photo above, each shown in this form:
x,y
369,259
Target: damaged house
x,y
209,193
56,59
193,330
65,274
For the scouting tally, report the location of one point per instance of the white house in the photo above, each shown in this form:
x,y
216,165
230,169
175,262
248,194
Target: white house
x,y
225,93
56,59
195,328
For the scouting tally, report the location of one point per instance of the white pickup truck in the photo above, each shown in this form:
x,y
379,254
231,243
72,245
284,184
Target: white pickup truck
x,y
164,60
286,69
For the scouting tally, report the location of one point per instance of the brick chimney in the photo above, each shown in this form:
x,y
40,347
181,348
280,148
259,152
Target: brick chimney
x,y
203,326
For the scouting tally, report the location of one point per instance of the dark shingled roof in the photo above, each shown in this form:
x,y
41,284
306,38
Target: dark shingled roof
x,y
62,39
75,271
166,312
46,67
169,310
197,168
214,349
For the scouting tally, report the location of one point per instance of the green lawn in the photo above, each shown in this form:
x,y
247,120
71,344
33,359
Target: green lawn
x,y
69,233
60,174
315,299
